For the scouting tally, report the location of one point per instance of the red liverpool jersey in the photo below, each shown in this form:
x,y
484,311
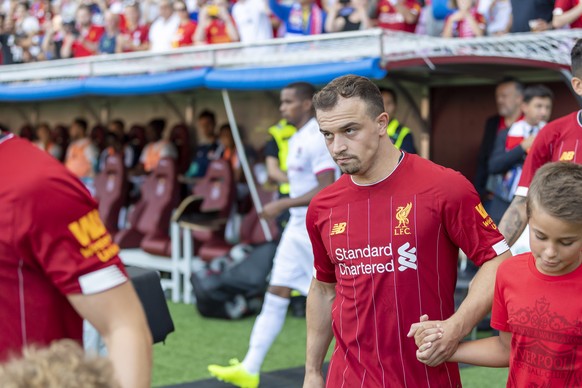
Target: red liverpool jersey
x,y
560,140
543,315
392,249
52,244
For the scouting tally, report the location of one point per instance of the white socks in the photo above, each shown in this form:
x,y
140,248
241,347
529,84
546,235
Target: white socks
x,y
266,328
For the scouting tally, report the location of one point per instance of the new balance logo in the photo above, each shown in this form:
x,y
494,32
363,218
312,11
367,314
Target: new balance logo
x,y
338,228
406,257
567,156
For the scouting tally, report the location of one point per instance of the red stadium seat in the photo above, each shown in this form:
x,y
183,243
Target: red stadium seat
x,y
208,209
111,187
150,219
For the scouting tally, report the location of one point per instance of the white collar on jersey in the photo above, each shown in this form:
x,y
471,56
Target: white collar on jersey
x,y
5,136
383,179
579,116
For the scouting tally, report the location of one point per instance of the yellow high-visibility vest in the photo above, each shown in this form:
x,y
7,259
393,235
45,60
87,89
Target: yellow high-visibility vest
x,y
397,132
282,132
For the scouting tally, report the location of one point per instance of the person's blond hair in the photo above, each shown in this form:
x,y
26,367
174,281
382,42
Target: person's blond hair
x,y
61,365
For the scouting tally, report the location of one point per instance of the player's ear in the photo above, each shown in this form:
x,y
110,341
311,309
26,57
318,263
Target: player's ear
x,y
577,85
382,122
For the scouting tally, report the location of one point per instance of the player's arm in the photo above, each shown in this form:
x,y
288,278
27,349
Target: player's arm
x,y
273,209
492,352
274,171
319,333
118,316
514,220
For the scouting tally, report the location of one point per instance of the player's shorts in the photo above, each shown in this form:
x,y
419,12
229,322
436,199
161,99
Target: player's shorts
x,y
293,264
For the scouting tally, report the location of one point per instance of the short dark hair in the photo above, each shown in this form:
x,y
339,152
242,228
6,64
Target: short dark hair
x,y
512,80
391,92
206,113
81,122
540,91
556,188
576,57
158,125
350,86
303,90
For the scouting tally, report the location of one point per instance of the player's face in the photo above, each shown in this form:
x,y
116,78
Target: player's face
x,y
292,108
351,135
508,99
538,109
555,244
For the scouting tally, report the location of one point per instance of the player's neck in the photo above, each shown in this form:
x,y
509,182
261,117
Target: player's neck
x,y
382,167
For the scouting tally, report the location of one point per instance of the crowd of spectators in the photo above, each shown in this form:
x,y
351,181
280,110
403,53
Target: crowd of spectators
x,y
35,30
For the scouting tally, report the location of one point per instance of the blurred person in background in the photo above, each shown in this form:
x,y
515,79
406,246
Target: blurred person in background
x,y
531,15
184,35
158,147
397,15
82,155
497,14
81,38
108,41
466,22
26,33
347,15
252,20
567,13
53,38
398,133
134,36
215,25
45,142
301,17
163,29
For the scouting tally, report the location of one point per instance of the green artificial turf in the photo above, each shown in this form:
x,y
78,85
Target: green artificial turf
x,y
200,341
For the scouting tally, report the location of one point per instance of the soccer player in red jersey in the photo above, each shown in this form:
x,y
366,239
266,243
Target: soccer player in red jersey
x,y
560,140
58,265
386,238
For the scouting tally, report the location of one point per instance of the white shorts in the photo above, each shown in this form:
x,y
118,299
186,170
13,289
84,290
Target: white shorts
x,y
293,263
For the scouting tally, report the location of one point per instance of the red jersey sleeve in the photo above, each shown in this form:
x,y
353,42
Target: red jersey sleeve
x,y
539,154
60,230
323,268
562,6
468,224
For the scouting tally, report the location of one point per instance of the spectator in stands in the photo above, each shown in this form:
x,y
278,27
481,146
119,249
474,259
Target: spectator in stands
x,y
399,134
164,27
27,132
512,146
302,17
26,32
45,142
215,25
531,15
82,155
184,35
508,96
81,39
497,14
53,38
207,145
567,13
466,22
108,42
6,39
347,15
252,20
157,148
398,15
60,135
130,150
62,364
133,35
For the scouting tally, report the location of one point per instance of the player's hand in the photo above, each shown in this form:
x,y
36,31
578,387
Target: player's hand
x,y
313,380
527,142
441,349
272,209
